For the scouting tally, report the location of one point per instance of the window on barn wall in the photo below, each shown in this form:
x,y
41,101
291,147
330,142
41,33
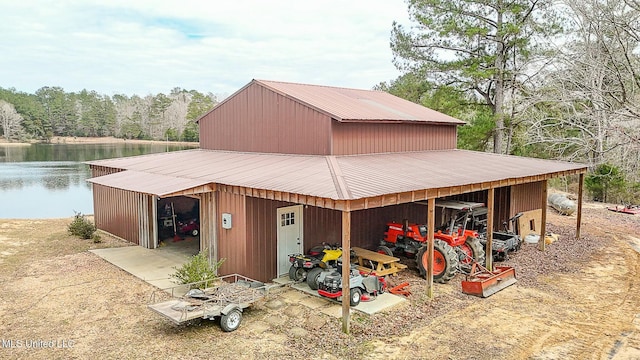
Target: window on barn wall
x,y
287,219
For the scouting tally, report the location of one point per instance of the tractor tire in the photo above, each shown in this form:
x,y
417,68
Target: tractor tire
x,y
445,261
355,295
194,232
297,273
385,250
312,278
471,249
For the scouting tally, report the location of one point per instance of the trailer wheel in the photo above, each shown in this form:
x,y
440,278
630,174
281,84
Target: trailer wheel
x,y
385,250
355,296
231,321
469,251
445,261
312,278
297,273
194,232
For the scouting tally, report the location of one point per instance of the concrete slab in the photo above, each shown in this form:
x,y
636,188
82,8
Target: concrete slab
x,y
151,265
381,303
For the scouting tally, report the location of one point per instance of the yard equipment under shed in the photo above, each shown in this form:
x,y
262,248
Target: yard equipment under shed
x,y
483,283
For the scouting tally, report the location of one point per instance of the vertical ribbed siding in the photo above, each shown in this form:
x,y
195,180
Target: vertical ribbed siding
x,y
143,229
321,226
208,229
117,212
232,243
262,238
260,120
501,207
526,197
368,226
364,138
102,170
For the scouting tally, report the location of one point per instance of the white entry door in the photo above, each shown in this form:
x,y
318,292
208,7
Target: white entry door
x,y
289,236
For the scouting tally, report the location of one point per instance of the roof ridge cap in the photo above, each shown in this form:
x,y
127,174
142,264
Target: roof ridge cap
x,y
338,177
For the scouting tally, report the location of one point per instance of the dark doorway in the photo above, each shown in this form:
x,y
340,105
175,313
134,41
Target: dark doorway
x,y
179,223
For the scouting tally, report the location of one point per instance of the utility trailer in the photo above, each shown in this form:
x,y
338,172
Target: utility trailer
x,y
225,298
504,242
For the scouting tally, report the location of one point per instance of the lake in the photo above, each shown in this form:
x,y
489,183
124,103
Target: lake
x,y
49,180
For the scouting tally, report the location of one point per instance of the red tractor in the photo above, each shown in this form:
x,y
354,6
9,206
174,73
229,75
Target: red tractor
x,y
455,247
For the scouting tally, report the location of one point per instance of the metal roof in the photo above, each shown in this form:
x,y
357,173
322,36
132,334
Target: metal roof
x,y
346,177
345,105
146,183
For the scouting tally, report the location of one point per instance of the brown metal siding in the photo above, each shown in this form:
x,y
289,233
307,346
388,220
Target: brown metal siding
x,y
102,170
208,221
232,243
118,212
260,120
501,206
364,138
526,197
321,226
368,226
262,238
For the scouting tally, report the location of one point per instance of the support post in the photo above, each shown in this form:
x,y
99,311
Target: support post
x,y
579,215
489,247
346,269
543,221
431,207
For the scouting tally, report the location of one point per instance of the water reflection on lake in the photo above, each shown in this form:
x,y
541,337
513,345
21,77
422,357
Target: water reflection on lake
x,y
49,180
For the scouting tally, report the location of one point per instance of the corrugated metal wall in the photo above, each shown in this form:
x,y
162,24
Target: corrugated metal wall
x,y
101,170
321,226
260,120
253,253
257,246
208,225
501,206
526,197
362,138
119,212
368,226
262,238
232,243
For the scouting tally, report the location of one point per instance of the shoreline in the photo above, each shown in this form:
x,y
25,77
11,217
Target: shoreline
x,y
94,140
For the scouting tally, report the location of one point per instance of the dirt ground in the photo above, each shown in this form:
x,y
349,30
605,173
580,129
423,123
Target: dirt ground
x,y
578,300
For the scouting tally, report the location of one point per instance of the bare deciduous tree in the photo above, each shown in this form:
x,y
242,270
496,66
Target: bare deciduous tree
x,y
9,120
588,106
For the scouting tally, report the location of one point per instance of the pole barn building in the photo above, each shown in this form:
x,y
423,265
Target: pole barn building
x,y
283,167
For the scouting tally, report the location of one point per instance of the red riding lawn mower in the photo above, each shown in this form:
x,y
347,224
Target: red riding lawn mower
x,y
455,247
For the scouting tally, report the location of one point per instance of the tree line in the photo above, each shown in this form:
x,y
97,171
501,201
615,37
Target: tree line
x,y
53,112
541,78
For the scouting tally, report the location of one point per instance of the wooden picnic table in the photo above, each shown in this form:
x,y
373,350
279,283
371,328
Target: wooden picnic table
x,y
382,264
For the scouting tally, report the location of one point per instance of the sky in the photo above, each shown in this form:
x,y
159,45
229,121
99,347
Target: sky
x,y
147,47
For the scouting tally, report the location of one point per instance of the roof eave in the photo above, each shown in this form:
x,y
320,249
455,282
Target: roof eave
x,y
399,121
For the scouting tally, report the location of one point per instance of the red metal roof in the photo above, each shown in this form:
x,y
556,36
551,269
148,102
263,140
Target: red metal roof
x,y
344,104
146,183
335,177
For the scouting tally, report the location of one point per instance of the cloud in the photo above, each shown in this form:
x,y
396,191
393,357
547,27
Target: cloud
x,y
146,47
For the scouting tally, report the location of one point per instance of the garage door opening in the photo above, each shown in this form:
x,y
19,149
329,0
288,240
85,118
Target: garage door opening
x,y
179,224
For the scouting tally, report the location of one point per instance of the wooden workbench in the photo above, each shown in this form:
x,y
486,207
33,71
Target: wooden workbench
x,y
382,264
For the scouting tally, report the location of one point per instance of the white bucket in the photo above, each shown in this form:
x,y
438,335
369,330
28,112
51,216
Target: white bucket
x,y
532,238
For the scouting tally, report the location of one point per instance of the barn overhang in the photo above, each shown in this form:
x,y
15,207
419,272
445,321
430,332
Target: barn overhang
x,y
153,184
348,182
